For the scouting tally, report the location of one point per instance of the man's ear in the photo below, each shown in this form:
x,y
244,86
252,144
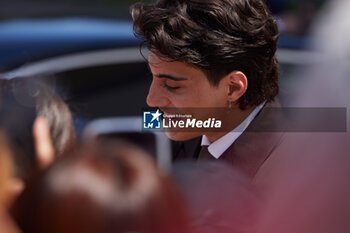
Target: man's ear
x,y
44,149
237,84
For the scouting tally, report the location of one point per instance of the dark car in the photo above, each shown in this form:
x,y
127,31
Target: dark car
x,y
95,65
27,41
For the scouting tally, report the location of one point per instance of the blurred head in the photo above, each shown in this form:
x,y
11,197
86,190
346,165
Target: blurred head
x,y
36,122
103,188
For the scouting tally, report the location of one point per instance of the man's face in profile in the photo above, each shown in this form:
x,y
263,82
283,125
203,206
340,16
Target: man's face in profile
x,y
178,85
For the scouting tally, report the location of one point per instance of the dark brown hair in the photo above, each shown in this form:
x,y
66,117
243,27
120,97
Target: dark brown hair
x,y
217,37
105,188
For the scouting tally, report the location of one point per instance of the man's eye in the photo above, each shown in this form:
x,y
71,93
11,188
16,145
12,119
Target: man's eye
x,y
170,88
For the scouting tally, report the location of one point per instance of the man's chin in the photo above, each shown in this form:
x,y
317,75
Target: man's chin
x,y
182,136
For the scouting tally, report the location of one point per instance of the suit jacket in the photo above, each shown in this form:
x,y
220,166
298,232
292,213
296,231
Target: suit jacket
x,y
253,147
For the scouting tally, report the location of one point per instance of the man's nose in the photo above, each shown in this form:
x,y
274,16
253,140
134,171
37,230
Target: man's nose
x,y
156,96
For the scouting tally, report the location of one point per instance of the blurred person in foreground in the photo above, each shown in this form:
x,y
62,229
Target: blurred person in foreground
x,y
309,185
37,125
209,55
102,188
220,199
6,176
6,172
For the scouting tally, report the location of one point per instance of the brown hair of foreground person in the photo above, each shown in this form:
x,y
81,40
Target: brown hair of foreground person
x,y
22,102
102,189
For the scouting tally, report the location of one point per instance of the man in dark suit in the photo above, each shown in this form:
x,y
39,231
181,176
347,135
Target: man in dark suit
x,y
210,54
252,148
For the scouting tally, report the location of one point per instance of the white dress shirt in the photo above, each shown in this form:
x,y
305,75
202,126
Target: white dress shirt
x,y
218,147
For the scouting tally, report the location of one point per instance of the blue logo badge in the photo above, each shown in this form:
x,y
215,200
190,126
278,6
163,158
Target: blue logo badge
x,y
152,120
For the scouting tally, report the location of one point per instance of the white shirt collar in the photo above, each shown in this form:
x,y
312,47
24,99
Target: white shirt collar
x,y
218,147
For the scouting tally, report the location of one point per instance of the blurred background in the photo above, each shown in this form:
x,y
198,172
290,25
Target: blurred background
x,y
119,8
86,51
62,8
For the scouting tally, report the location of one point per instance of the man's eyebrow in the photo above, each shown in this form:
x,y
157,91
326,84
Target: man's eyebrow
x,y
171,77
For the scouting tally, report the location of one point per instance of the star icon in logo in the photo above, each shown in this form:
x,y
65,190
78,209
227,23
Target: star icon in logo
x,y
156,115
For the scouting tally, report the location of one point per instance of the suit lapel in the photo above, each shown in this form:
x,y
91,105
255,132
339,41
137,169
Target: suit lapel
x,y
255,145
